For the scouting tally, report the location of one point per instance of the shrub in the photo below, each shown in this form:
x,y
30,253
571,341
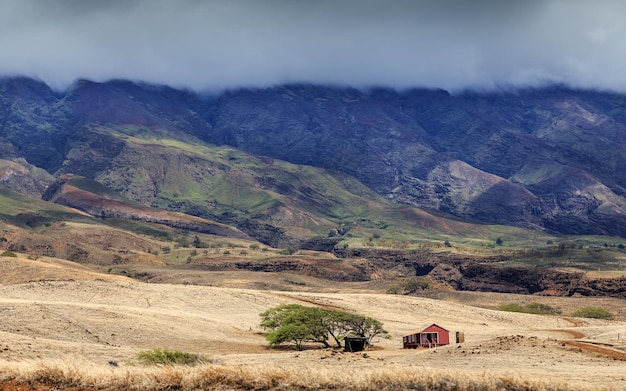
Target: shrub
x,y
531,308
169,357
409,286
9,253
511,307
542,309
592,312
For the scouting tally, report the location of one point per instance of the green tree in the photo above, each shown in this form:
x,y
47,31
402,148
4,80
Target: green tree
x,y
363,326
293,323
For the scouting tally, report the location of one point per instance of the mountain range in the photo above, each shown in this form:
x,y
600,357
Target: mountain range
x,y
288,163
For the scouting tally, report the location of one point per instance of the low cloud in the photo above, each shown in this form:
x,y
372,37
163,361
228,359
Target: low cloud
x,y
210,45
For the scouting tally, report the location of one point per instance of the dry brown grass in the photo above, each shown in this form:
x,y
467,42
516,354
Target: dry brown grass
x,y
84,375
63,334
23,269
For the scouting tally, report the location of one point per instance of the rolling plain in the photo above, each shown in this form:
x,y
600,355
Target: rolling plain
x,y
66,326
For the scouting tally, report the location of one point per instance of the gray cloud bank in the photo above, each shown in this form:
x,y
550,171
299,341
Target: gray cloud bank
x,y
209,45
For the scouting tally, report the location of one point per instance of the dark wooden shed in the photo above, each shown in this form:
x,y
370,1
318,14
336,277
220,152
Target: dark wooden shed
x,y
431,337
354,344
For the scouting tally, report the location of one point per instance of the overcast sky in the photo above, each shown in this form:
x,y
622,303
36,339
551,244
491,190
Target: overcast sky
x,y
452,44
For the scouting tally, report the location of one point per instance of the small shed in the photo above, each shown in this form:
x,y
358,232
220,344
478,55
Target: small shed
x,y
354,344
431,337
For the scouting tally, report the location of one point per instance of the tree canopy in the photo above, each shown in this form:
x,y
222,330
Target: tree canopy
x,y
297,324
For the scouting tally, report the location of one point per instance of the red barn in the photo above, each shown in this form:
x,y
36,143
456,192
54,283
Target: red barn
x,y
431,337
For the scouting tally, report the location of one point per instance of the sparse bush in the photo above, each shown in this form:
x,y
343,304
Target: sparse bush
x,y
166,249
197,243
447,244
592,312
382,224
9,253
226,252
183,242
376,236
409,286
169,357
254,246
287,251
542,309
243,252
531,308
511,307
621,246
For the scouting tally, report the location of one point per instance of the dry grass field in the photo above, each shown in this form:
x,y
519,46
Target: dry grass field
x,y
64,326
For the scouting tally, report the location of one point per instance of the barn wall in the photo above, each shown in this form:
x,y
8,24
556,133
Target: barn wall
x,y
444,335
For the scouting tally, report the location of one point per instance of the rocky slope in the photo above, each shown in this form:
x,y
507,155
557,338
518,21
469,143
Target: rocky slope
x,y
546,159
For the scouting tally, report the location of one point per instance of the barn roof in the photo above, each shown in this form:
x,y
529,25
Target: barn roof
x,y
426,328
436,325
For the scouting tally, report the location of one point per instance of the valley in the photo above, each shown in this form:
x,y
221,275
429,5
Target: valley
x,y
137,217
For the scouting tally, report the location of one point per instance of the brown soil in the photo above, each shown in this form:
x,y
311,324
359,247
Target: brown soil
x,y
604,351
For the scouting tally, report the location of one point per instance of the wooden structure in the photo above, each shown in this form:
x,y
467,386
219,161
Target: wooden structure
x,y
354,344
431,337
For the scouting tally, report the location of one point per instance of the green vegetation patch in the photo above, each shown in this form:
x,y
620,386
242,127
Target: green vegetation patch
x,y
531,308
409,286
169,357
8,253
140,227
592,312
31,213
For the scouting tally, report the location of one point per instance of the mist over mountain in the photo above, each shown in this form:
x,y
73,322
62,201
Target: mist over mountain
x,y
548,159
217,45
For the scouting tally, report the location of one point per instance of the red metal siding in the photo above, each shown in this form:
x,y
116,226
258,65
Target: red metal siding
x,y
432,336
444,335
